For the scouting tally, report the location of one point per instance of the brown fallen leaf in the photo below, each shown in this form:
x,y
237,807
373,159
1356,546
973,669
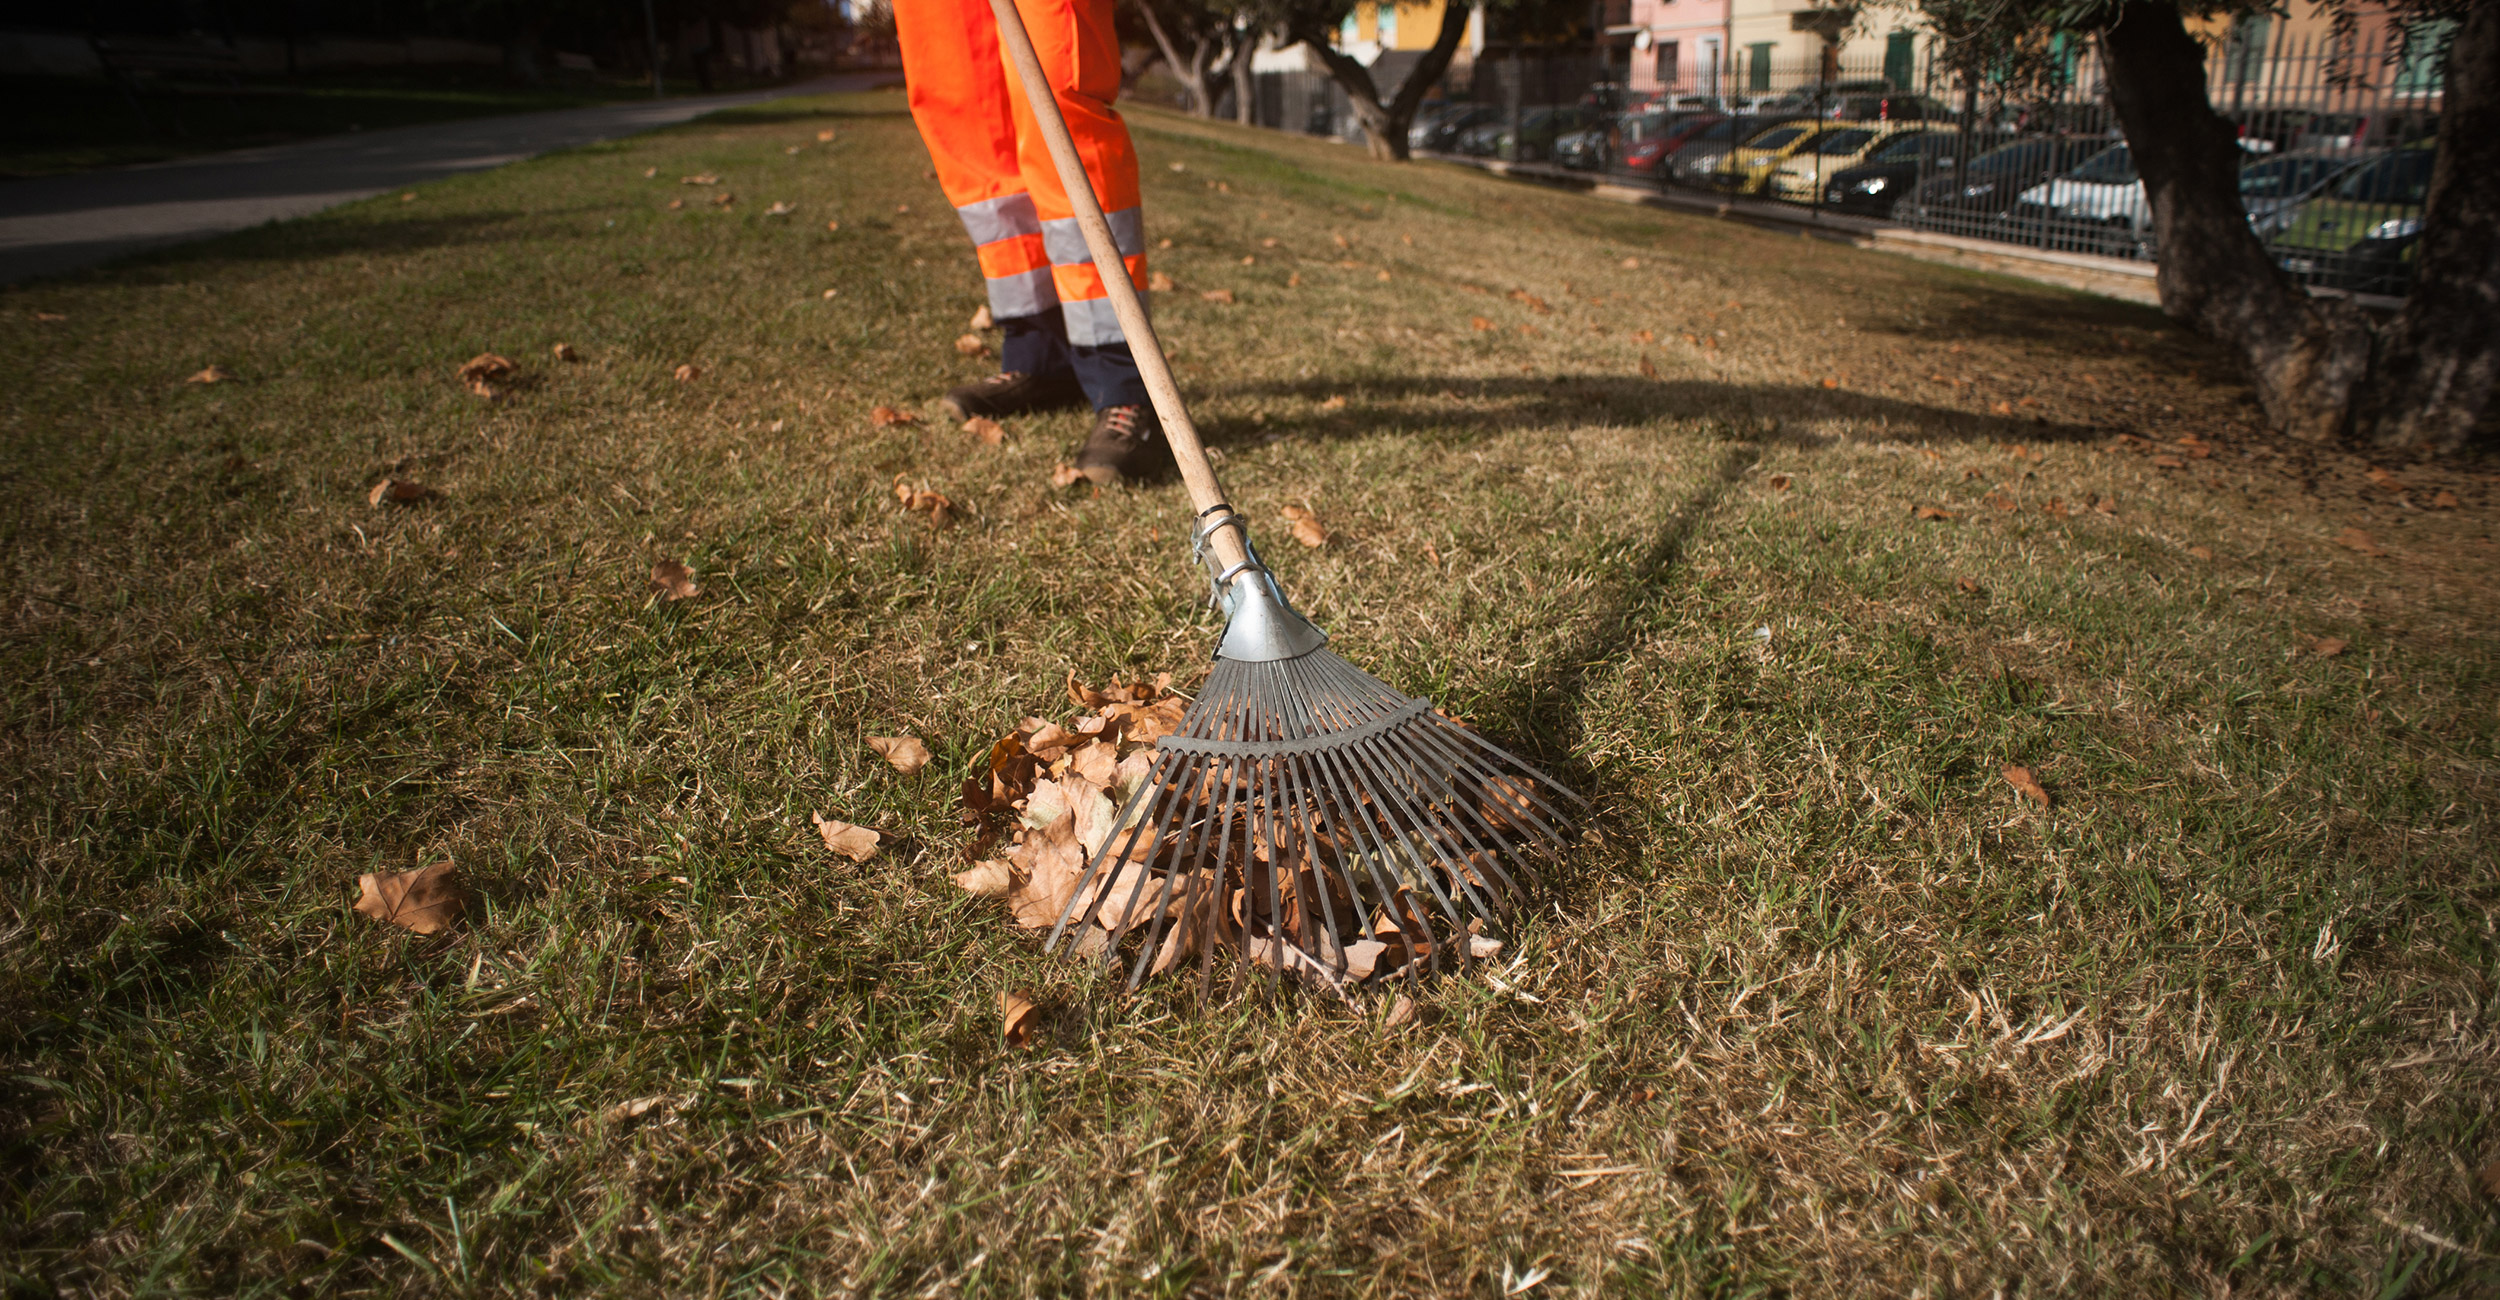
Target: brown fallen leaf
x,y
1067,476
989,879
687,374
634,1109
399,492
674,581
2020,778
1402,1011
48,317
2201,552
1780,482
2444,500
2054,508
1218,295
1335,402
2490,1178
1630,264
1649,368
723,199
2327,647
676,204
1381,275
882,416
1306,529
426,900
1482,323
2355,539
486,373
1294,281
1931,512
1249,259
1016,1014
1968,587
2168,462
780,209
2105,505
1644,336
2001,408
1160,283
212,375
705,178
2381,477
906,753
1831,383
981,319
831,226
565,352
918,500
986,429
824,136
971,345
858,843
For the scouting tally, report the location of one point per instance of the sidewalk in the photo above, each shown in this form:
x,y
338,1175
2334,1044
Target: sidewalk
x,y
53,224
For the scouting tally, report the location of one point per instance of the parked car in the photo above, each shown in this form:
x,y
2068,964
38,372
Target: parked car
x,y
1986,187
2359,234
1747,168
1538,128
1698,158
1859,101
1642,156
1583,150
1440,132
1801,178
1886,176
2270,188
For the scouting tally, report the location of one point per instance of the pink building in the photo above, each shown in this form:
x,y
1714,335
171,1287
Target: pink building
x,y
1678,46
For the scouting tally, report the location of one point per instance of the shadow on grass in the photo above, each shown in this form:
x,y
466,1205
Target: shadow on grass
x,y
300,240
774,113
1529,403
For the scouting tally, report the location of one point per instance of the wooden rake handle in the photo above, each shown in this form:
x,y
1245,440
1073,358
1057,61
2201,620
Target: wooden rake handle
x,y
1196,473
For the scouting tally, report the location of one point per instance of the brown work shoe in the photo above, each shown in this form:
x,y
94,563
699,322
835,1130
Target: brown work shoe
x,y
1127,443
1012,392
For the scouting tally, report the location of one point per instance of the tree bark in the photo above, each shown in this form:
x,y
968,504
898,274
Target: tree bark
x,y
1385,124
1191,72
1245,82
2439,360
2213,273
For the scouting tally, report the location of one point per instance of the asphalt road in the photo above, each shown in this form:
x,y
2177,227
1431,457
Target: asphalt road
x,y
52,224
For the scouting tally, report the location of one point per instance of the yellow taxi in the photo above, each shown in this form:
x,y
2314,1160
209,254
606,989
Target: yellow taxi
x,y
1803,173
1747,168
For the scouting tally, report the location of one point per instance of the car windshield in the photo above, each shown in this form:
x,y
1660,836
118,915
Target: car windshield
x,y
1912,148
1841,144
2113,166
2277,178
1778,137
1643,127
2011,158
1726,131
2401,177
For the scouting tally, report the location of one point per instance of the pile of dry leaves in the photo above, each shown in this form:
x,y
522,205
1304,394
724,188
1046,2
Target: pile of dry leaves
x,y
1056,793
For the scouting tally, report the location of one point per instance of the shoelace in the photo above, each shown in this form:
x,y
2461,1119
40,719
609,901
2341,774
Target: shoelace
x,y
1121,420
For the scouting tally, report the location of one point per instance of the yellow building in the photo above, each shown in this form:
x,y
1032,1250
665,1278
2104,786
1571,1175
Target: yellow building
x,y
1779,45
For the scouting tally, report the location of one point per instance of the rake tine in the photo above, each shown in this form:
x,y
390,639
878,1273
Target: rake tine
x,y
1093,865
1177,798
1422,871
1463,812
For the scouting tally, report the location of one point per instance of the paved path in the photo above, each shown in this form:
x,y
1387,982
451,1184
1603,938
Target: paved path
x,y
52,224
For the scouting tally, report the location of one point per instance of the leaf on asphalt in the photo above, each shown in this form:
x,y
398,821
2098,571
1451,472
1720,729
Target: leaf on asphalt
x,y
1160,283
971,345
1306,529
2021,779
1649,368
565,352
399,492
674,581
921,501
705,178
1218,295
1016,1016
780,209
882,416
981,317
1780,482
1931,512
2327,647
426,900
858,843
986,429
906,753
2355,539
687,374
212,375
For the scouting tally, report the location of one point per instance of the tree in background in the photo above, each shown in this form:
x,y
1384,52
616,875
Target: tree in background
x,y
2323,369
1316,22
1203,42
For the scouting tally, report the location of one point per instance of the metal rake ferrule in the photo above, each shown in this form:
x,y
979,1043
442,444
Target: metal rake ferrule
x,y
1320,823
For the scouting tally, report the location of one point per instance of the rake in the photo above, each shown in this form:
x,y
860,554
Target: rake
x,y
1304,812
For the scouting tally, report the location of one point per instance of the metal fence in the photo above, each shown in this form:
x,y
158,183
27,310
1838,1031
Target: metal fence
x,y
2336,141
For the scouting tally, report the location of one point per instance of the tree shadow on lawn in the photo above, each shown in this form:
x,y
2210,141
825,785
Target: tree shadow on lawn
x,y
775,116
1509,405
316,239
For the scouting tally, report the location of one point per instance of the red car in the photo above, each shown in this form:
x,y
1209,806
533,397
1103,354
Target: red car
x,y
1645,141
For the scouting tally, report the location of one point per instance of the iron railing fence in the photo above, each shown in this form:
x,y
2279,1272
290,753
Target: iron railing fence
x,y
2336,141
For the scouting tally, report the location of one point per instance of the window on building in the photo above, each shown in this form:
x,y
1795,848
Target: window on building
x,y
1670,57
1388,25
2424,68
1758,66
1900,59
2244,51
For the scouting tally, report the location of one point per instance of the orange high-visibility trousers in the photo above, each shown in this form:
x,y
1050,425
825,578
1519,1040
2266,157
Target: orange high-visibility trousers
x,y
994,167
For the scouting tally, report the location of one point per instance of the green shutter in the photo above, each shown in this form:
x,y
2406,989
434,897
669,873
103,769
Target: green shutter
x,y
1900,59
1758,75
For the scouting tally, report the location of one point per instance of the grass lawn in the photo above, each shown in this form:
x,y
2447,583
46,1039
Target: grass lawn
x,y
1821,1006
61,124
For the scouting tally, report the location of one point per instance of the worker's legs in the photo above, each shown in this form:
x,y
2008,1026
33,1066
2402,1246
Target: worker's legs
x,y
1080,53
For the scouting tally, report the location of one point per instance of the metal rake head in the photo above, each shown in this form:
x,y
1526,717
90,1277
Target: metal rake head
x,y
1311,818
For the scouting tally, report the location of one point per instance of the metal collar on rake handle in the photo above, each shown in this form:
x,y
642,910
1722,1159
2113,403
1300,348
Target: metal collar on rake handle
x,y
1304,813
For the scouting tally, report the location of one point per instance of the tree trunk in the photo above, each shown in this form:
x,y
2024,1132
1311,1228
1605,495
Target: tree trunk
x,y
2439,360
1245,82
1191,72
2213,274
1385,124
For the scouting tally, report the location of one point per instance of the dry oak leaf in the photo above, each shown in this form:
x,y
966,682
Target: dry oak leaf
x,y
1306,529
687,374
399,491
425,900
881,416
565,352
987,879
674,581
2021,779
986,429
212,375
2445,500
2327,647
906,753
936,505
1780,482
1931,512
485,370
981,317
1160,283
971,345
2358,540
858,843
1016,1014
1649,368
1218,295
